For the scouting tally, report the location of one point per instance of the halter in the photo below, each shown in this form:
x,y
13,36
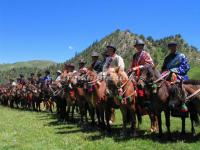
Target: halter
x,y
120,96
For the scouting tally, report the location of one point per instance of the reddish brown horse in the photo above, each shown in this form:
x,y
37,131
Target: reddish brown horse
x,y
98,99
77,83
122,89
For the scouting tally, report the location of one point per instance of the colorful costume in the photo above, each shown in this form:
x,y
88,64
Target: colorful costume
x,y
177,63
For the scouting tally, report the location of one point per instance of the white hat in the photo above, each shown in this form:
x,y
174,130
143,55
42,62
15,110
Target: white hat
x,y
58,71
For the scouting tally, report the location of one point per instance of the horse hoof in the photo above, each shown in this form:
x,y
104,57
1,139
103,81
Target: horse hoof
x,y
123,134
193,135
110,122
152,130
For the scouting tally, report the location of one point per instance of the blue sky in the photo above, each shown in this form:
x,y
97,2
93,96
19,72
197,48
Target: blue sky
x,y
57,29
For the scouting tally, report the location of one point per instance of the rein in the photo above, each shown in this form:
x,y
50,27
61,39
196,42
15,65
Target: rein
x,y
127,80
192,95
162,77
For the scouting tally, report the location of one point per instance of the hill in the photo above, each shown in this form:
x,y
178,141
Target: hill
x,y
29,64
125,40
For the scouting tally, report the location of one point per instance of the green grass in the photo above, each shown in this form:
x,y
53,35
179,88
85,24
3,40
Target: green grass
x,y
30,130
194,73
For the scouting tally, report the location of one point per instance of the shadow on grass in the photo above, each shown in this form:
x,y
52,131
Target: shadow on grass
x,y
73,127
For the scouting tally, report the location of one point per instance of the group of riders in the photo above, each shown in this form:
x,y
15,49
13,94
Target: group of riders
x,y
88,88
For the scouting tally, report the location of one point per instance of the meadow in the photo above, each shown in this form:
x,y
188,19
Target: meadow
x,y
41,131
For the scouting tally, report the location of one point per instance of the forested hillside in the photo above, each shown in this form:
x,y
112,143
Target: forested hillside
x,y
124,41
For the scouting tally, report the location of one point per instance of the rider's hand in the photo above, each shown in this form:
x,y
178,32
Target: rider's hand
x,y
174,70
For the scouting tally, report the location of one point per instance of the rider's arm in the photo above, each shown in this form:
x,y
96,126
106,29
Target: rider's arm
x,y
184,66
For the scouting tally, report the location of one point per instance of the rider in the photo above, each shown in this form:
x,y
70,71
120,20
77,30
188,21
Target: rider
x,y
96,64
178,64
47,78
140,59
58,76
71,68
39,79
104,55
82,68
32,79
113,60
21,80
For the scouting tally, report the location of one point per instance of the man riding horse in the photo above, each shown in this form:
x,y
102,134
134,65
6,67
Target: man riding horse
x,y
96,64
141,59
178,64
113,60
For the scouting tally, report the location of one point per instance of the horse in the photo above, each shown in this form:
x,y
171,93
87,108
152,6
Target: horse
x,y
188,92
123,92
76,83
97,99
160,91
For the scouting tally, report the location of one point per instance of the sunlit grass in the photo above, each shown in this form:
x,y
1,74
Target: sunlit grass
x,y
31,130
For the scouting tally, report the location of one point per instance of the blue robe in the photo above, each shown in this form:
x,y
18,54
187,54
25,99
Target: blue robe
x,y
177,62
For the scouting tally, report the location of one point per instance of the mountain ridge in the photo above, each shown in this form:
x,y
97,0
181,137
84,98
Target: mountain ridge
x,y
124,41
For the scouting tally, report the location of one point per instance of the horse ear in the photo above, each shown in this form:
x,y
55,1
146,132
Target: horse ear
x,y
90,68
154,67
117,69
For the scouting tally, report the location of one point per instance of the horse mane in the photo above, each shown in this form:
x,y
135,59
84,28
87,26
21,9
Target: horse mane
x,y
153,70
193,82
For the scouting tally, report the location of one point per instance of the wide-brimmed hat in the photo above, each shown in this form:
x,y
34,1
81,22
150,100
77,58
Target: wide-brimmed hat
x,y
111,47
59,71
82,61
139,42
172,43
95,54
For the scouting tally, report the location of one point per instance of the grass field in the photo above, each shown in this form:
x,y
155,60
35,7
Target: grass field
x,y
31,130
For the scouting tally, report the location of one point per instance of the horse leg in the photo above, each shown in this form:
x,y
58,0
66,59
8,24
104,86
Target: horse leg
x,y
124,115
98,116
133,123
92,116
193,117
160,124
183,125
108,114
167,119
153,122
102,117
67,112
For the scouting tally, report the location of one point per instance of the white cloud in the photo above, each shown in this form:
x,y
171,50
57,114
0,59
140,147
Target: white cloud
x,y
70,47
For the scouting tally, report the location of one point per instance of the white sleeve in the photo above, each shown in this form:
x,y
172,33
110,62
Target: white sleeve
x,y
121,63
105,65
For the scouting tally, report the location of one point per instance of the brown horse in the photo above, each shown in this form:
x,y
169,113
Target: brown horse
x,y
188,92
76,82
159,93
98,99
122,89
